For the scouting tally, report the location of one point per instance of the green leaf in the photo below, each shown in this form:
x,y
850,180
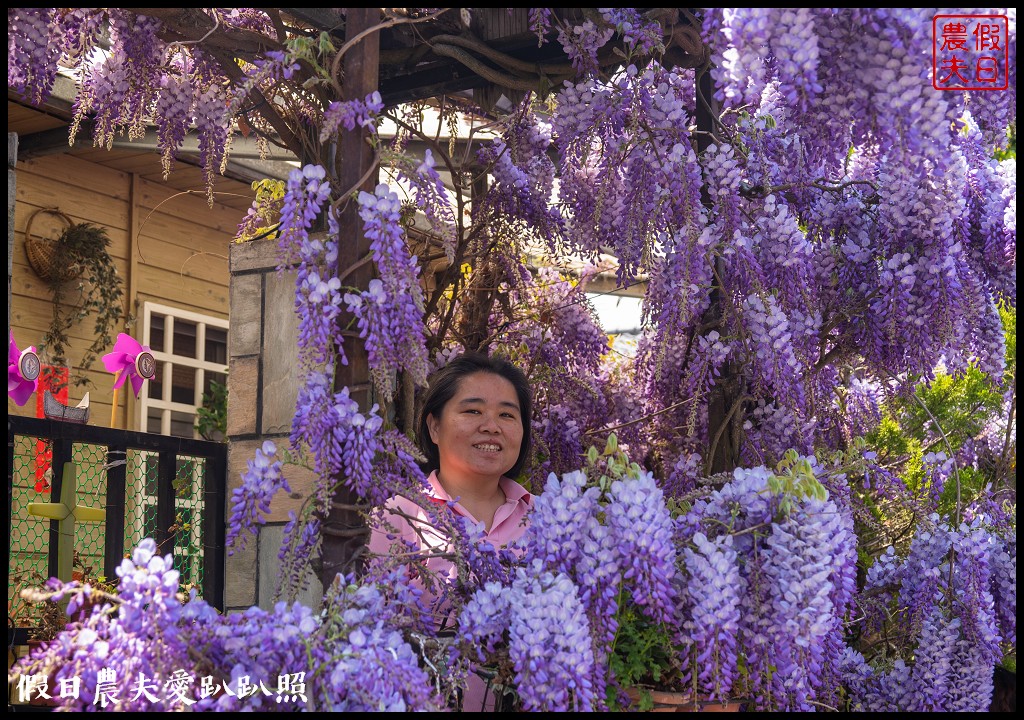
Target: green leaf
x,y
612,446
212,417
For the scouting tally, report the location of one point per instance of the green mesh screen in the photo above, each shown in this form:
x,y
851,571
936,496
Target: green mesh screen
x,y
141,510
30,535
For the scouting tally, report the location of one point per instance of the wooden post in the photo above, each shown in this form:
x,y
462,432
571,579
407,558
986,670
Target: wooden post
x,y
482,290
117,472
344,531
66,513
165,533
725,455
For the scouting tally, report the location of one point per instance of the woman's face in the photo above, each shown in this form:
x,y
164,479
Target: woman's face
x,y
480,431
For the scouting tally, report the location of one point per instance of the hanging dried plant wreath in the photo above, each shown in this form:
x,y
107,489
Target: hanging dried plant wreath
x,y
80,253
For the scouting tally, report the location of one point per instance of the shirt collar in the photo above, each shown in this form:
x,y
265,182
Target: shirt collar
x,y
514,492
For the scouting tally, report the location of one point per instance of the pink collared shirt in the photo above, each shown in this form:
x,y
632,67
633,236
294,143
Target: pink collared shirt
x,y
405,524
403,521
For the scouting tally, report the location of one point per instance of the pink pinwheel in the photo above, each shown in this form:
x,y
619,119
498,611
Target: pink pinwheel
x,y
132,360
22,372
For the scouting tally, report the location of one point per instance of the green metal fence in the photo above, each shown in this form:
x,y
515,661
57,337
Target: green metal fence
x,y
166,488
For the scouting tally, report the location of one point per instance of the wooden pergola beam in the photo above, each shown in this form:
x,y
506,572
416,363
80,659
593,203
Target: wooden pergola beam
x,y
344,530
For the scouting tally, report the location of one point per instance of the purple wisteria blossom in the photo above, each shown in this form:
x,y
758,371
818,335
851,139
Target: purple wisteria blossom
x,y
711,632
590,543
250,501
638,518
792,564
954,626
390,310
350,114
550,644
638,33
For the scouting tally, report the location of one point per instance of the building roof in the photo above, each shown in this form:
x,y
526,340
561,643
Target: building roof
x,y
487,57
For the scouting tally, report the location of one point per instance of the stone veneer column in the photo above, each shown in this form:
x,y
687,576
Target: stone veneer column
x,y
263,384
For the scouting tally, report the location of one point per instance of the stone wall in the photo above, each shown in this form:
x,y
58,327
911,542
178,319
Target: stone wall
x,y
263,384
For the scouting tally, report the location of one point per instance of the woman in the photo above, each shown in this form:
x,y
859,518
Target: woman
x,y
474,430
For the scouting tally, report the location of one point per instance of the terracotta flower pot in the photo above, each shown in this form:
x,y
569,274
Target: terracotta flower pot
x,y
665,701
732,705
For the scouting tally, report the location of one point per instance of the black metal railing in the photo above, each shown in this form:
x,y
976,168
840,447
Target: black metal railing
x,y
163,460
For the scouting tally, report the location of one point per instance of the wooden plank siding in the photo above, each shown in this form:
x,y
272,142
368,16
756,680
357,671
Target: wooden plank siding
x,y
170,247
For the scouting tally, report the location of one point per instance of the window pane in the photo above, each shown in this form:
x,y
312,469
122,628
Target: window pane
x,y
156,383
213,377
216,345
183,386
153,421
184,338
156,332
177,380
183,424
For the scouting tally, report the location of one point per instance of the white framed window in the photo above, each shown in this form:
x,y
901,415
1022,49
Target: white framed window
x,y
191,353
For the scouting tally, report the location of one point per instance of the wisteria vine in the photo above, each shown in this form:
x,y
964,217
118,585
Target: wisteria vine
x,y
837,231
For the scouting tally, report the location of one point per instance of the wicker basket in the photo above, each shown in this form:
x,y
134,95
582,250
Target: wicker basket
x,y
44,253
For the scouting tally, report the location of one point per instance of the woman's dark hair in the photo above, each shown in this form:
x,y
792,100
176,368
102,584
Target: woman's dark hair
x,y
445,383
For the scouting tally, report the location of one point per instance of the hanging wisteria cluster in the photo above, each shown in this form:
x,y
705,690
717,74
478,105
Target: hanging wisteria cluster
x,y
592,538
390,311
946,589
150,649
839,231
771,575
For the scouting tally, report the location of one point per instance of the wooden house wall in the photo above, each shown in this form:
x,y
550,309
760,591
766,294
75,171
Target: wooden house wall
x,y
169,247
